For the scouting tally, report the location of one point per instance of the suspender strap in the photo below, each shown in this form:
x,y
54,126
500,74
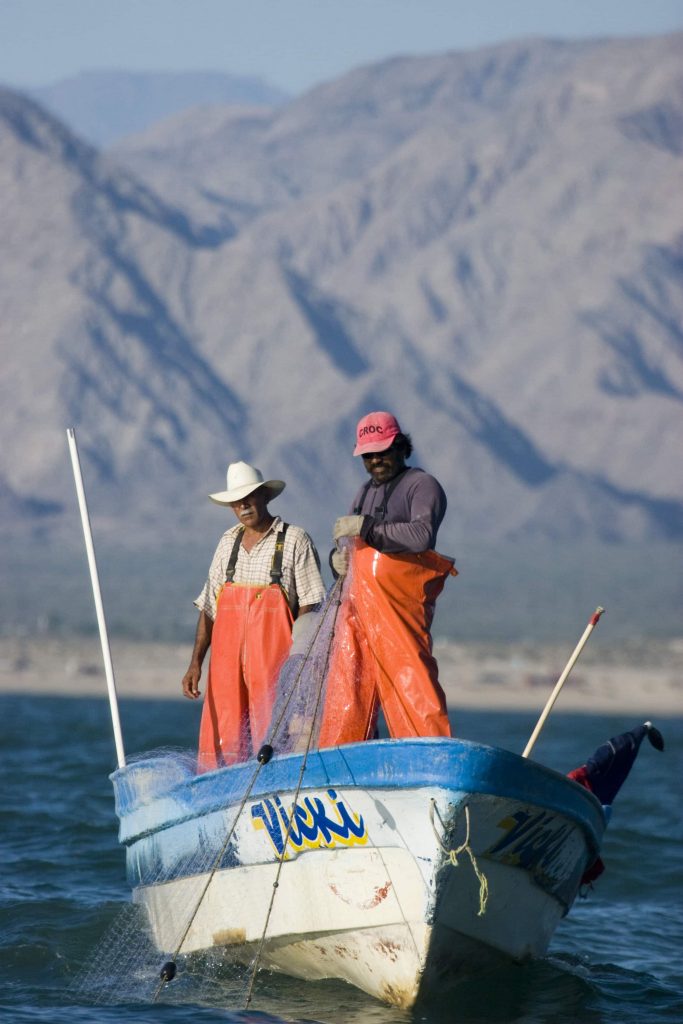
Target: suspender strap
x,y
232,561
276,564
359,507
381,510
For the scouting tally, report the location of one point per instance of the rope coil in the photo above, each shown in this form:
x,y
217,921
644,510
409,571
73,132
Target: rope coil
x,y
464,847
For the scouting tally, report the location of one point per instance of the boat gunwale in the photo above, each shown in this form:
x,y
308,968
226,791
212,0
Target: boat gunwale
x,y
520,780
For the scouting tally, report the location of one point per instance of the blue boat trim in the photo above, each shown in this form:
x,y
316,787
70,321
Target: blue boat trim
x,y
452,764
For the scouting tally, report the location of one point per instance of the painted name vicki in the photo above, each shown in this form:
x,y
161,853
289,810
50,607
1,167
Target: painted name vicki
x,y
311,825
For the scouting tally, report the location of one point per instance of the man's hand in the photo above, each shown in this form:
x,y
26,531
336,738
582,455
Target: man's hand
x,y
202,642
191,681
303,629
339,560
347,526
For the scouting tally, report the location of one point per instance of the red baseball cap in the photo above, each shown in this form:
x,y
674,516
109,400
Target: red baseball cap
x,y
375,433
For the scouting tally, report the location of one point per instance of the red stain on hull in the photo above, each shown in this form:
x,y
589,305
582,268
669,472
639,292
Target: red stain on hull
x,y
381,893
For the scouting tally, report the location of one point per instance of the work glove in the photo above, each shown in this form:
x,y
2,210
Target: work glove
x,y
339,561
347,526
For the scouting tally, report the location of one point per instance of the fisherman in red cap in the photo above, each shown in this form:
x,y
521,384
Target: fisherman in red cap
x,y
400,508
383,642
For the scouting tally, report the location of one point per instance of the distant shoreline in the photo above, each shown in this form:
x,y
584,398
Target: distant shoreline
x,y
475,676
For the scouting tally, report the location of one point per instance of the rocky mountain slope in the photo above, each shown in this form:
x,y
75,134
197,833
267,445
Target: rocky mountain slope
x,y
490,244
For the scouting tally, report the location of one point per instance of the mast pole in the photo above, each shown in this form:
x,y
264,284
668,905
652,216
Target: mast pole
x,y
99,608
592,623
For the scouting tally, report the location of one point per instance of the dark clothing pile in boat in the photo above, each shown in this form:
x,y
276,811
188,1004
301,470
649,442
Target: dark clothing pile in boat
x,y
605,772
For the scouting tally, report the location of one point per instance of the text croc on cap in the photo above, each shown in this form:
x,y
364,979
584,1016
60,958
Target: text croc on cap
x,y
375,433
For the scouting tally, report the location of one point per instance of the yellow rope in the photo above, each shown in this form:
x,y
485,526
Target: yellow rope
x,y
463,848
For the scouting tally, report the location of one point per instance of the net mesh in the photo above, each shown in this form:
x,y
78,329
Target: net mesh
x,y
126,964
300,693
303,711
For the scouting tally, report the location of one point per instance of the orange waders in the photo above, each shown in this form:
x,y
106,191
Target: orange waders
x,y
383,649
251,638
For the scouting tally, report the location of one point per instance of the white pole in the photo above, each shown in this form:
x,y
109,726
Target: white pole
x,y
92,563
560,682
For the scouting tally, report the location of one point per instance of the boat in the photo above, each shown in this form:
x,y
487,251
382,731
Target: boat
x,y
394,865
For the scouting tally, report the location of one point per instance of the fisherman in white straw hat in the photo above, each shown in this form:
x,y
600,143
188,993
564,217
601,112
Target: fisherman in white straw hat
x,y
264,577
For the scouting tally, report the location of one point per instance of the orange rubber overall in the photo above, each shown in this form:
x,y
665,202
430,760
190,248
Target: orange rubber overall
x,y
383,649
252,636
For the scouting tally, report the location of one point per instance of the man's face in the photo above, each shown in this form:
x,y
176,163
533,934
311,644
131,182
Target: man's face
x,y
252,511
383,466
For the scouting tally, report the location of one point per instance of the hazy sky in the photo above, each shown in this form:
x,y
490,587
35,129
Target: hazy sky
x,y
291,43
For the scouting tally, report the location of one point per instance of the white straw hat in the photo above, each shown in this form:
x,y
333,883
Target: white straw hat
x,y
242,479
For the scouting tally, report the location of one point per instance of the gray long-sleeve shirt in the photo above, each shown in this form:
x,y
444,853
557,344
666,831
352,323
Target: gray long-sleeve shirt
x,y
415,510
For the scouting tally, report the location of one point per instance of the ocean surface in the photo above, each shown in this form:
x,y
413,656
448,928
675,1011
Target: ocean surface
x,y
618,956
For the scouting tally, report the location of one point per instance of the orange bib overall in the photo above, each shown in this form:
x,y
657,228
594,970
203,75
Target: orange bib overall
x,y
252,636
383,649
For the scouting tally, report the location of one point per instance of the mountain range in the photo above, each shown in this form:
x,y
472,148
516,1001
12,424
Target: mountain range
x,y
105,106
489,244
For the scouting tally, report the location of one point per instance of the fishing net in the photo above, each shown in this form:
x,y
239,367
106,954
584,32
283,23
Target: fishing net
x,y
128,962
301,686
370,646
341,660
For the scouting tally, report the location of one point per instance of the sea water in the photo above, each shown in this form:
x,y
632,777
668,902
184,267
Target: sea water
x,y
616,957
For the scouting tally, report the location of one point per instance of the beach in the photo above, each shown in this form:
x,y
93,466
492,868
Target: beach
x,y
641,679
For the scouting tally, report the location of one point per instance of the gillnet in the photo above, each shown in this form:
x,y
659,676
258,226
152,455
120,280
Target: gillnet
x,y
128,963
300,693
196,932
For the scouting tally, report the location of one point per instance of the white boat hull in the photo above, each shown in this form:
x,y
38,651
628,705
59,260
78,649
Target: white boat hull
x,y
368,891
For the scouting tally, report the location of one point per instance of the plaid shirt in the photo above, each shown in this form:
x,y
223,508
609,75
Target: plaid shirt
x,y
301,579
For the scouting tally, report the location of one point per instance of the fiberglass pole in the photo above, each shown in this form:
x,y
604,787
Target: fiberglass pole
x,y
560,682
92,564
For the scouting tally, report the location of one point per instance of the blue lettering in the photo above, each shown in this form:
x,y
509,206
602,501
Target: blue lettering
x,y
308,824
265,815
